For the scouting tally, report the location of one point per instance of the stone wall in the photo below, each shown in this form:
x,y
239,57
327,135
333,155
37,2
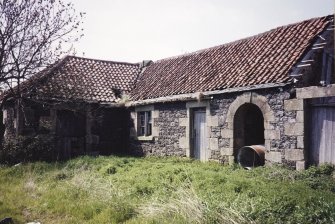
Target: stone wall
x,y
271,103
26,119
76,128
283,124
167,130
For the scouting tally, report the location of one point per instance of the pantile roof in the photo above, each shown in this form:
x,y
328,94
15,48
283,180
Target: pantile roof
x,y
261,59
82,79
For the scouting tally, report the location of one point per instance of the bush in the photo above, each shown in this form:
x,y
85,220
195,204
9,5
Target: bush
x,y
322,170
27,149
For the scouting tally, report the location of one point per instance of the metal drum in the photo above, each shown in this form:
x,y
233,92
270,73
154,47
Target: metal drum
x,y
251,156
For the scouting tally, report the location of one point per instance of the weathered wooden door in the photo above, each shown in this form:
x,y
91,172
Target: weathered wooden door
x,y
322,134
199,132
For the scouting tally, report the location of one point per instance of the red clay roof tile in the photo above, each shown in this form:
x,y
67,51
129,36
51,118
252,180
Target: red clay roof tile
x,y
260,59
82,79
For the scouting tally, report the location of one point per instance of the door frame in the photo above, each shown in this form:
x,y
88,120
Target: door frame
x,y
192,134
311,106
185,142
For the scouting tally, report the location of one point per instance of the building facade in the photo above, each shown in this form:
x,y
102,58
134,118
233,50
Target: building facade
x,y
274,89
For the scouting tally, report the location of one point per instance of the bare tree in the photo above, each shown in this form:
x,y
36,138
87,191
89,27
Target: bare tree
x,y
34,34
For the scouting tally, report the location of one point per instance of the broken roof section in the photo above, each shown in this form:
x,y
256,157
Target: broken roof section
x,y
82,79
262,59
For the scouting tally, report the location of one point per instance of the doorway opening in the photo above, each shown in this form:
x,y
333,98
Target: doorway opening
x,y
248,127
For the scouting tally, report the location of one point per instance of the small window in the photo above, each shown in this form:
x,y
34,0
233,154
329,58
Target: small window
x,y
144,123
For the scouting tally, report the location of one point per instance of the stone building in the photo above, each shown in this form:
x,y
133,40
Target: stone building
x,y
274,89
78,102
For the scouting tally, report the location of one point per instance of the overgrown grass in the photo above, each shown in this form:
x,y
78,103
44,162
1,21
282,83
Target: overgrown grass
x,y
164,190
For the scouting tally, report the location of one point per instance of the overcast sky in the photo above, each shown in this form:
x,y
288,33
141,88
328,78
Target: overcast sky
x,y
136,30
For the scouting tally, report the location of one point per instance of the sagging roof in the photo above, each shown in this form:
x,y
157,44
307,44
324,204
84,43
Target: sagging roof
x,y
82,79
260,59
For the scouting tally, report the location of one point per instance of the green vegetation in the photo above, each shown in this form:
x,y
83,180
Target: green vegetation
x,y
164,190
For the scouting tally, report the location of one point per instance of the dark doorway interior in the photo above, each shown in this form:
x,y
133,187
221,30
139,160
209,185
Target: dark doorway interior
x,y
71,131
113,131
248,127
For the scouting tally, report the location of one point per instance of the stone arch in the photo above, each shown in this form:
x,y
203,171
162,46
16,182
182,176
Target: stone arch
x,y
262,103
253,98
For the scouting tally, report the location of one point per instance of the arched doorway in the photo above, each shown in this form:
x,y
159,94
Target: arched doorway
x,y
248,127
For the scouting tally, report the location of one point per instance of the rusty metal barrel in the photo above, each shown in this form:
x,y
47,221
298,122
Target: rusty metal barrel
x,y
251,156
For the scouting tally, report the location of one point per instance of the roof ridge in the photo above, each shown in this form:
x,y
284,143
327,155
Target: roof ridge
x,y
44,73
101,60
242,39
37,78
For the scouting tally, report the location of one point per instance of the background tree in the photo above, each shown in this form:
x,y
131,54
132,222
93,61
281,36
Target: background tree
x,y
33,35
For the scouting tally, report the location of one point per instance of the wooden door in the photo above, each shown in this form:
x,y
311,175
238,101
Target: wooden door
x,y
322,134
200,137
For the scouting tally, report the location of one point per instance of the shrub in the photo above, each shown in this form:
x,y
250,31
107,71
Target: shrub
x,y
25,149
324,169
